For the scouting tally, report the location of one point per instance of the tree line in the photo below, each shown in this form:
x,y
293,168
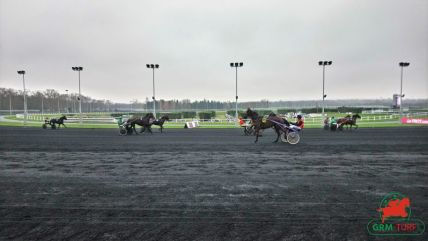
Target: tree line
x,y
51,101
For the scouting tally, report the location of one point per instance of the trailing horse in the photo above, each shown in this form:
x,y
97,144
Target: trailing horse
x,y
145,122
158,122
259,124
348,121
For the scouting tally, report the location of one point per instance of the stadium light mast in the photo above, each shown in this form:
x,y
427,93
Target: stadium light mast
x,y
153,67
323,64
25,95
402,65
236,65
78,69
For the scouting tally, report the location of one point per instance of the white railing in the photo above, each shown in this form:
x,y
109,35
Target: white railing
x,y
308,119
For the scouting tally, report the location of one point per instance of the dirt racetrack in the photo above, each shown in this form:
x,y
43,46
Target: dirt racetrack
x,y
205,184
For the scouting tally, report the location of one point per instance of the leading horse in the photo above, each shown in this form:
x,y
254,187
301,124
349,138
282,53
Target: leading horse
x,y
259,124
59,121
348,121
158,122
143,121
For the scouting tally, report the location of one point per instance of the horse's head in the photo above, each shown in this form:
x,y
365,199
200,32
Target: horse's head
x,y
63,117
149,115
356,116
252,114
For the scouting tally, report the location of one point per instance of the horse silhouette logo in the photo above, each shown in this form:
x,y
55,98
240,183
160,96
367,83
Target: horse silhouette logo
x,y
394,206
394,211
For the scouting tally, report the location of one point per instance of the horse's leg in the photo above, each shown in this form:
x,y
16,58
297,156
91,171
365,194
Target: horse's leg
x,y
257,134
133,127
150,129
161,128
277,134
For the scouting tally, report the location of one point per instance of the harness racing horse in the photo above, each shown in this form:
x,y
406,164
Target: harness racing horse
x,y
59,121
259,124
144,122
348,121
158,122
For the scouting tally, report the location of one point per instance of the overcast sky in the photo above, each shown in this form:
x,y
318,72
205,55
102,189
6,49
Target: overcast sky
x,y
193,41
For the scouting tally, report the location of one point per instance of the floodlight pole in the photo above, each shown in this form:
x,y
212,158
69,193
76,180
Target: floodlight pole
x,y
78,69
401,92
80,102
154,98
25,97
153,67
323,64
402,65
236,94
236,65
323,89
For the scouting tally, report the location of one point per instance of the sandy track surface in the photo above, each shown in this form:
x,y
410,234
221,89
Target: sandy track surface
x,y
205,184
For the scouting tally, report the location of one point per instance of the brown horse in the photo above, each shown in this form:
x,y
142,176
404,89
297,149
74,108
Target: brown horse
x,y
158,122
145,122
259,124
348,121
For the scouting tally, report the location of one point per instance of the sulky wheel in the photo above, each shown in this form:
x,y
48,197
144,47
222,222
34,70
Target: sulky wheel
x,y
122,131
293,137
129,131
284,137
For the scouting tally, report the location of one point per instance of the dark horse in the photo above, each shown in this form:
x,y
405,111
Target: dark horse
x,y
259,124
59,121
145,122
348,121
158,122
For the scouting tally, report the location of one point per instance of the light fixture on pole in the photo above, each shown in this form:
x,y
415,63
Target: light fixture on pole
x,y
25,95
78,69
153,67
323,64
236,65
402,65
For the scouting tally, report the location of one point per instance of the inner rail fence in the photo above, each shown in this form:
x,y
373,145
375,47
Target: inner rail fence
x,y
221,122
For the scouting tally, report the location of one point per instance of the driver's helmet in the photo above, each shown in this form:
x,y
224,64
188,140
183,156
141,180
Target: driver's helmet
x,y
299,116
